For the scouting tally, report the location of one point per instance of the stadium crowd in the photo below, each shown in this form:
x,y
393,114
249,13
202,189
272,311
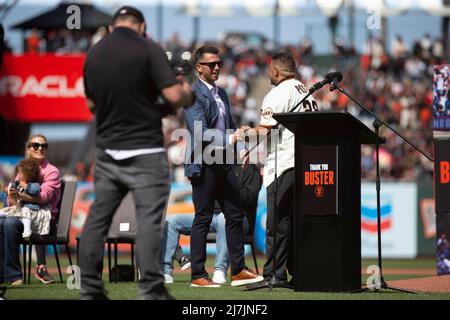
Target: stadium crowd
x,y
396,85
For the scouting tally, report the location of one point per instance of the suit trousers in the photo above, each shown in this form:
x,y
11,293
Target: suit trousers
x,y
216,182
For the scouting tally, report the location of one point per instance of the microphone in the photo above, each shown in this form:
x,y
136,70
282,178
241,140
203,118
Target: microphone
x,y
332,77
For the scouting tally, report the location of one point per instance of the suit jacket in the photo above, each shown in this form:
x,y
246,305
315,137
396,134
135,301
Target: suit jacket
x,y
206,112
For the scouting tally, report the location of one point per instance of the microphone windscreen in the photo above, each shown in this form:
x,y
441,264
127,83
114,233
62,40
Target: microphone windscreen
x,y
334,75
338,75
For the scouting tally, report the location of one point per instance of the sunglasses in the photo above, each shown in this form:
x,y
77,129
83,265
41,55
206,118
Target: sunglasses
x,y
36,146
211,65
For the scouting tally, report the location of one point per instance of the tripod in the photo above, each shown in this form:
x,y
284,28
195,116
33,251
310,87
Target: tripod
x,y
377,123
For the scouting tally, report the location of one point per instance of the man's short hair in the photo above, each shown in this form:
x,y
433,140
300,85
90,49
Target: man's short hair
x,y
285,61
128,13
204,49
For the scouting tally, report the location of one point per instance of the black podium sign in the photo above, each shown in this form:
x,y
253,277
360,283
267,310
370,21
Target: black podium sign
x,y
320,191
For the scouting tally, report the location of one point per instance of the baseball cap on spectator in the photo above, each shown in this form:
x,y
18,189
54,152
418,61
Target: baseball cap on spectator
x,y
128,10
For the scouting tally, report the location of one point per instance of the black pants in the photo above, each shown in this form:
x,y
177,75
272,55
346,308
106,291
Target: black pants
x,y
285,214
217,182
147,176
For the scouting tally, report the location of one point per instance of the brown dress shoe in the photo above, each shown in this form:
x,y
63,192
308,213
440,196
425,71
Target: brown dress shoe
x,y
16,283
204,283
246,276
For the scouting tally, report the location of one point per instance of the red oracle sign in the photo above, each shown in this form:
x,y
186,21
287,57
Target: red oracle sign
x,y
43,88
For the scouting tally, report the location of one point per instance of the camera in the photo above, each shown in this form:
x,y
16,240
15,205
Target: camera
x,y
183,68
15,186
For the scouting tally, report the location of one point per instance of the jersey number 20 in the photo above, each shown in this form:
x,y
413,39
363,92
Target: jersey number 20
x,y
308,106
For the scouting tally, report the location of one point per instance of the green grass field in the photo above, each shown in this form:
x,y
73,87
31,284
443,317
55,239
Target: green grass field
x,y
181,288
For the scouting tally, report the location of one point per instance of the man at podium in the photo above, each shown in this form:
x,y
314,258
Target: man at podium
x,y
287,94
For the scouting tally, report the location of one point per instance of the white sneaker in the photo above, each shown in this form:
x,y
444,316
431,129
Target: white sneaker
x,y
168,279
219,277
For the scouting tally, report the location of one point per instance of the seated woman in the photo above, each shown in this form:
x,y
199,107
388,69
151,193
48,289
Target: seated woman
x,y
35,217
11,228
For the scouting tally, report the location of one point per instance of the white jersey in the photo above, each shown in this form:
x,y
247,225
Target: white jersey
x,y
283,98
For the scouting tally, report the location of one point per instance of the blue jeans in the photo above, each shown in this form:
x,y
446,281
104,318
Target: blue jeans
x,y
11,229
182,223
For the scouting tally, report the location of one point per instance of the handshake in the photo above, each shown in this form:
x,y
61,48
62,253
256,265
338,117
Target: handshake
x,y
241,135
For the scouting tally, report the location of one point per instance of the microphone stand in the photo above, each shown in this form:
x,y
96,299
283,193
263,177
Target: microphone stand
x,y
273,282
377,123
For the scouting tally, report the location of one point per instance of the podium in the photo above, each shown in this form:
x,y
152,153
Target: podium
x,y
327,221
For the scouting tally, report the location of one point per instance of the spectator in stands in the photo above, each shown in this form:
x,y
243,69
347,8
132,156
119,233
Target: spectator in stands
x,y
33,42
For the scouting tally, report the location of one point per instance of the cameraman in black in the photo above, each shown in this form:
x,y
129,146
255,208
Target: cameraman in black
x,y
124,73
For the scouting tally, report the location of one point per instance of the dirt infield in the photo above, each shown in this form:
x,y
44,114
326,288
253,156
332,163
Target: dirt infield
x,y
430,284
409,271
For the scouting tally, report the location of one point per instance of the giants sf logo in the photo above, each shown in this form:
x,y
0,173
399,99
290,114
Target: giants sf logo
x,y
319,191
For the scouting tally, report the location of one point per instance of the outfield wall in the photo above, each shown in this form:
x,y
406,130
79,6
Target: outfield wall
x,y
407,212
407,220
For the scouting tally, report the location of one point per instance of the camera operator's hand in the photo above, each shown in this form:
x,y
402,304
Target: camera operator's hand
x,y
179,95
181,78
188,94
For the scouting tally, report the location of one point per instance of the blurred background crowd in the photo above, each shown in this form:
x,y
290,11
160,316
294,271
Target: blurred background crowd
x,y
397,85
394,80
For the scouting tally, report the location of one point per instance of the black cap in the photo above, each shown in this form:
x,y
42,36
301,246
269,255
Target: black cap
x,y
128,10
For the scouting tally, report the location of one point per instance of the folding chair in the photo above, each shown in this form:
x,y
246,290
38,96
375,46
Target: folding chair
x,y
123,230
65,206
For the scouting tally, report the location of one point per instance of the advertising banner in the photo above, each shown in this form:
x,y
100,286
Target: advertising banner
x,y
43,88
398,220
399,217
441,98
443,244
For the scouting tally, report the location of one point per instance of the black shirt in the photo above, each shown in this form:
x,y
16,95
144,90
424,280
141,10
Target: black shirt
x,y
123,75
